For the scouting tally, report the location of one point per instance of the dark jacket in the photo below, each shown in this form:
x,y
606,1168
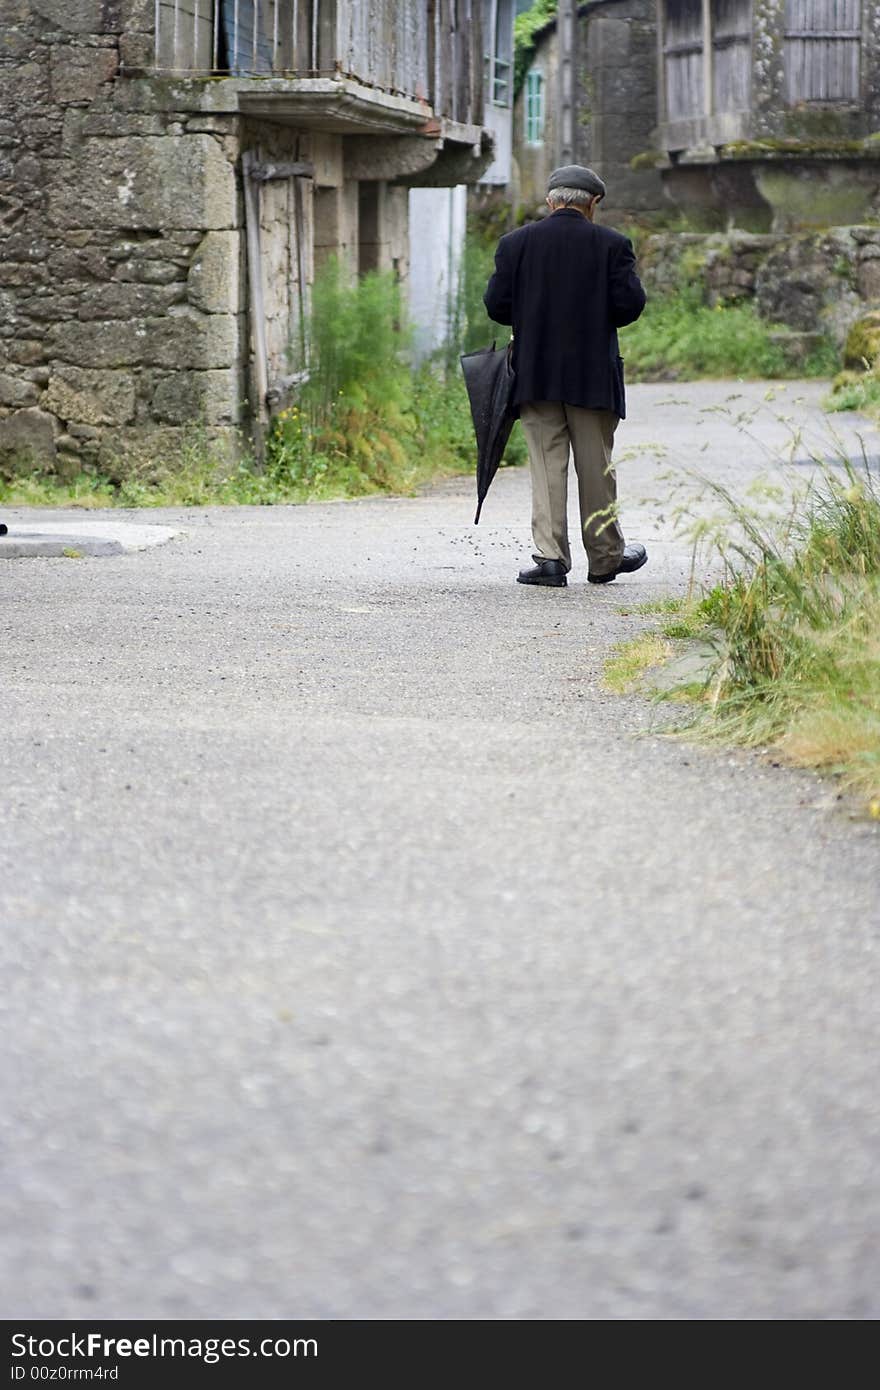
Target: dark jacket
x,y
566,285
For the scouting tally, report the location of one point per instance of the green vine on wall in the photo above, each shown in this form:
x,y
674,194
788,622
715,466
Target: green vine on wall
x,y
525,27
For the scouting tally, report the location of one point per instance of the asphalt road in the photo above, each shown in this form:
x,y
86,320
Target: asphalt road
x,y
363,958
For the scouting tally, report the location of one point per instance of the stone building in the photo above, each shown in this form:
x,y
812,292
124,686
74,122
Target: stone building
x,y
768,111
616,108
768,141
758,114
172,172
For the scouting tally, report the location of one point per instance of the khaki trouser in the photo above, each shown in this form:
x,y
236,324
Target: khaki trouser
x,y
551,428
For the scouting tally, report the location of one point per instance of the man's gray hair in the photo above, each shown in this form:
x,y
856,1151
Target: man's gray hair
x,y
569,197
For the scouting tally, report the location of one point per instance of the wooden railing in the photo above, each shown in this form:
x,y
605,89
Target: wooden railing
x,y
429,50
242,38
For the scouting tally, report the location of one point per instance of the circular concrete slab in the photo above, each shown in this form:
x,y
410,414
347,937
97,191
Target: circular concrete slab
x,y
75,539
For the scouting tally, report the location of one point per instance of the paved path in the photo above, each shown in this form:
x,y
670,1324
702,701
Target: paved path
x,y
360,960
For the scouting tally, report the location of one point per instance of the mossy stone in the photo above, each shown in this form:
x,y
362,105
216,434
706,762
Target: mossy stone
x,y
862,348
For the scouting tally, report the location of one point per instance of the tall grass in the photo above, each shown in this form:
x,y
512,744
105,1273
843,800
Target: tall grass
x,y
366,420
795,625
353,427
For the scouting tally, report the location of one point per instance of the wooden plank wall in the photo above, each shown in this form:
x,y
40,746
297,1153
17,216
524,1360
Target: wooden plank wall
x,y
683,52
184,35
388,43
245,37
470,60
732,55
822,50
431,50
279,216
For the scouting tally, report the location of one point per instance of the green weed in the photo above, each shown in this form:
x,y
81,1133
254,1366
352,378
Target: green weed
x,y
657,605
195,471
525,26
631,660
45,490
855,391
678,337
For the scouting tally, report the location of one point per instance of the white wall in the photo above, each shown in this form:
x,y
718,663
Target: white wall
x,y
437,225
499,119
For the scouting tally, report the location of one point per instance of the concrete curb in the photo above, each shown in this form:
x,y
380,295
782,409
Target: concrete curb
x,y
97,539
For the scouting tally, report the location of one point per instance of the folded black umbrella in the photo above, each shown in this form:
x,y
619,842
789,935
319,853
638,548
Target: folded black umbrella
x,y
489,378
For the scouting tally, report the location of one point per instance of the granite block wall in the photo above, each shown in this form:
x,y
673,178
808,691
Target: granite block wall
x,y
813,283
121,300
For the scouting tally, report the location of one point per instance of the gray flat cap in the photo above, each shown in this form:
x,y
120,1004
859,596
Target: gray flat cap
x,y
576,176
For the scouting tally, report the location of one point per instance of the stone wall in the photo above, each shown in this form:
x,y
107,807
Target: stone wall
x,y
616,111
121,287
817,283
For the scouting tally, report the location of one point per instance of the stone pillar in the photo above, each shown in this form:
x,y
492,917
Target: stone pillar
x,y
567,31
708,73
768,74
618,104
383,228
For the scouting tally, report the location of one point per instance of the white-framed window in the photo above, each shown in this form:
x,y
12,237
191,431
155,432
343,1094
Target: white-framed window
x,y
534,107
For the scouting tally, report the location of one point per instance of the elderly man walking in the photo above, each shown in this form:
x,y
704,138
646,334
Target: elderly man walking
x,y
567,285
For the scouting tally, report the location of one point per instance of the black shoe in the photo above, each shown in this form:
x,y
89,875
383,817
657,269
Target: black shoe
x,y
633,557
550,572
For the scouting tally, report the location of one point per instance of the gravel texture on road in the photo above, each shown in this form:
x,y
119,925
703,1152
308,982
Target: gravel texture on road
x,y
364,958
